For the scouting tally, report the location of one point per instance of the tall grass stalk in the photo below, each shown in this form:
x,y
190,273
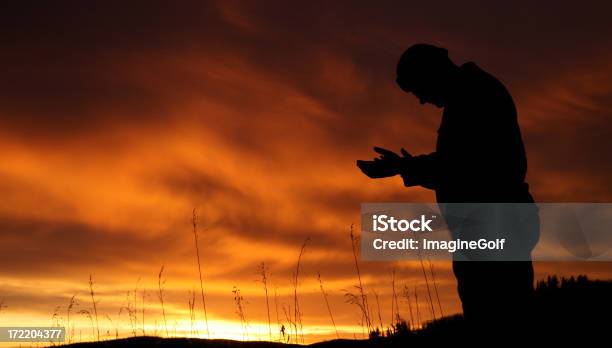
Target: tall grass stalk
x,y
356,300
416,300
113,325
195,236
55,317
379,312
331,316
407,296
264,280
73,302
284,332
191,310
95,308
131,313
395,314
433,277
364,299
297,314
119,314
160,288
278,323
136,306
144,292
239,300
87,313
431,306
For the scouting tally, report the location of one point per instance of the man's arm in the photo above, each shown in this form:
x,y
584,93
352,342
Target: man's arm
x,y
422,170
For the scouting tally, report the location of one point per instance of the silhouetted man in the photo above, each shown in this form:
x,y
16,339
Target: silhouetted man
x,y
479,158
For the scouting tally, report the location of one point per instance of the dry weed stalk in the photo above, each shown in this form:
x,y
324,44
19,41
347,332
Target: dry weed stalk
x,y
431,306
71,305
87,313
264,280
55,317
278,323
136,306
239,300
395,315
131,312
296,304
284,332
356,300
113,325
407,296
433,277
195,236
416,300
191,309
379,313
364,298
95,308
331,316
160,287
144,293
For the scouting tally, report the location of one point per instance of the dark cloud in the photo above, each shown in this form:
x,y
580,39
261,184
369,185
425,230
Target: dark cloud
x,y
72,69
67,64
48,249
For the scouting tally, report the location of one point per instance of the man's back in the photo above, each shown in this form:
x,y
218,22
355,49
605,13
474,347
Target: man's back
x,y
480,150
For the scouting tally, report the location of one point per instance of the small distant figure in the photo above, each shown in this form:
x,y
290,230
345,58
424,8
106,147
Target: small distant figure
x,y
479,158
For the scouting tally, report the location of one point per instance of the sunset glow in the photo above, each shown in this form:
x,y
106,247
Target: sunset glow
x,y
116,122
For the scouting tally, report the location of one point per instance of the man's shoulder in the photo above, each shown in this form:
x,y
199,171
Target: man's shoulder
x,y
477,80
472,72
477,95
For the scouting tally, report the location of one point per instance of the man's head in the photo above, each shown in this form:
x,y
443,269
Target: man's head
x,y
426,71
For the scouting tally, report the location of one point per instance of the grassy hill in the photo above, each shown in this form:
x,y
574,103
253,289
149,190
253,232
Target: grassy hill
x,y
565,308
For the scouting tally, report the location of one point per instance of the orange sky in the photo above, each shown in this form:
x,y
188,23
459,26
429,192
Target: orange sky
x,y
116,122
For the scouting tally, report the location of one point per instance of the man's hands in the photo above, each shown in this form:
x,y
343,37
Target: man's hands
x,y
387,164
